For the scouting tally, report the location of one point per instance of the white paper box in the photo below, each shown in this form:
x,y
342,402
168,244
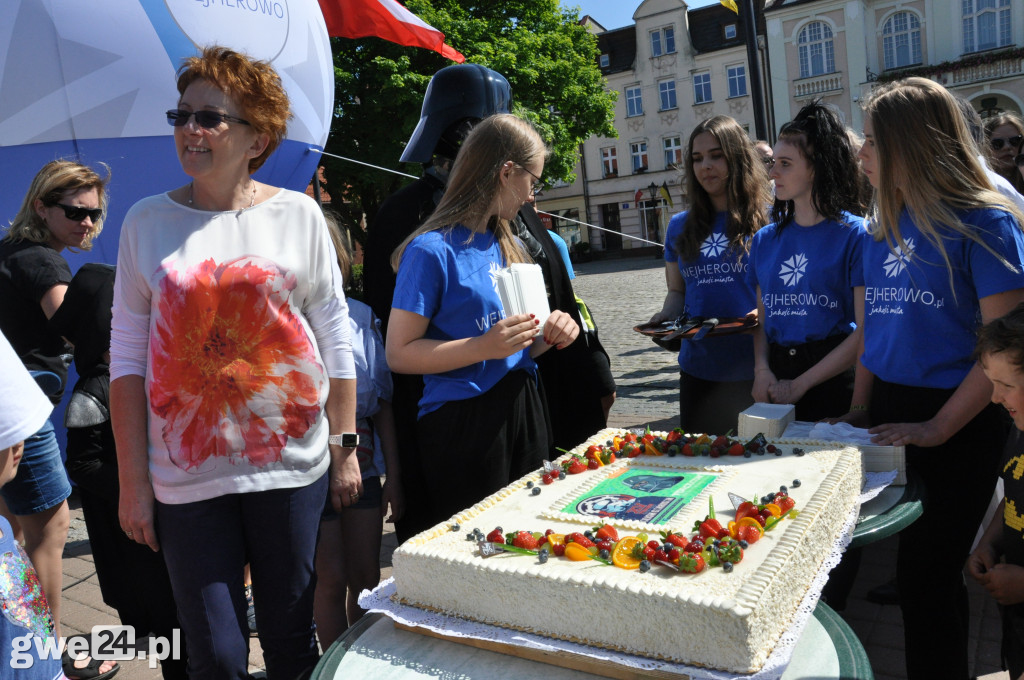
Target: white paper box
x,y
770,419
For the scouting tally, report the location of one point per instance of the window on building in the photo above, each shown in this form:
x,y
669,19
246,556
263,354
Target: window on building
x,y
701,87
901,40
730,31
986,24
817,53
654,215
638,153
604,61
609,162
737,80
673,151
634,102
663,41
667,93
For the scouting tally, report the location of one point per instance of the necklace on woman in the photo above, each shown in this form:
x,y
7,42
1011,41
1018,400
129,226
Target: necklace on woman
x,y
252,199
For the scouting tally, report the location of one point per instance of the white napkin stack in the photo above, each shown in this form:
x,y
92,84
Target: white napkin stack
x,y
522,291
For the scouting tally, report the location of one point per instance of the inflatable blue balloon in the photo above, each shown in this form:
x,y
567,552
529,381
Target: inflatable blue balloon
x,y
90,81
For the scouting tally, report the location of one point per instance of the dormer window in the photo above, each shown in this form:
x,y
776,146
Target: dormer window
x,y
604,61
663,41
730,31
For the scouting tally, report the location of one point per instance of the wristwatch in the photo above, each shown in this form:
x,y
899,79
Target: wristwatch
x,y
345,440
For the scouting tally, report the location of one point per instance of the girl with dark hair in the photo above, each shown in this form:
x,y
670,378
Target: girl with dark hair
x,y
1005,133
806,267
705,262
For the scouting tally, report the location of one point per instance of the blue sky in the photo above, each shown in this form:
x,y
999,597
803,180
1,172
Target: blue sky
x,y
617,13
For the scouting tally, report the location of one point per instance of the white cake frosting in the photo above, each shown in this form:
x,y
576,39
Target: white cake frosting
x,y
718,619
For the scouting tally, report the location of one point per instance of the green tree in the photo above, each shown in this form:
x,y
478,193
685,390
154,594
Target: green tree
x,y
549,60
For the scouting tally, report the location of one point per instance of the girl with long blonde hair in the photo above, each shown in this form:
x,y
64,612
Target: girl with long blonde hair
x,y
447,324
946,254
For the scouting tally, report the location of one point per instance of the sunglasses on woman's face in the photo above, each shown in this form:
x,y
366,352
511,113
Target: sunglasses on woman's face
x,y
77,213
204,119
999,142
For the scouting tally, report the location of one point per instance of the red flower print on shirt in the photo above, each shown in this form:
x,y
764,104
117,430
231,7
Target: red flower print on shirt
x,y
234,371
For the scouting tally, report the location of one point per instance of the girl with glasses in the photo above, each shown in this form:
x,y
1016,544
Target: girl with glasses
x,y
447,324
1005,133
945,254
63,209
705,263
806,268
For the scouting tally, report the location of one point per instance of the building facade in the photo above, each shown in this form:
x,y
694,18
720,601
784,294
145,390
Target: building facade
x,y
675,67
840,49
671,69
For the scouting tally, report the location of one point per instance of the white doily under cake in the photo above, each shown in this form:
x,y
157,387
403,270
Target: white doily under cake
x,y
381,599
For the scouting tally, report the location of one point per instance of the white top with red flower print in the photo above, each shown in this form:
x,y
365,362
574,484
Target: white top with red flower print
x,y
225,314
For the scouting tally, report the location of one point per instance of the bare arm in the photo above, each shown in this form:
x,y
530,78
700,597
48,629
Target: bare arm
x,y
53,299
408,351
384,424
966,402
129,416
675,299
346,480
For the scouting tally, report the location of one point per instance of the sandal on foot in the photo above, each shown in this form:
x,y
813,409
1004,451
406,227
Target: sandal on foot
x,y
91,671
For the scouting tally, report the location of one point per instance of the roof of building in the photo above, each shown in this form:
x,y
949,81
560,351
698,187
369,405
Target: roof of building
x,y
707,28
779,4
620,46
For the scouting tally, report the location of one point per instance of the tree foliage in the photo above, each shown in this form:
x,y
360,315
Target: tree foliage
x,y
548,58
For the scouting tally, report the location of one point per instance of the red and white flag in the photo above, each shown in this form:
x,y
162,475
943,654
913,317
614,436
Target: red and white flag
x,y
386,19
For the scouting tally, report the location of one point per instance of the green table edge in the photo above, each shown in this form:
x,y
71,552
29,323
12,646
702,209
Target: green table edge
x,y
893,521
853,660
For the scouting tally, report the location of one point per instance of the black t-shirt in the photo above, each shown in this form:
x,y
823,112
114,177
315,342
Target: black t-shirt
x,y
1012,472
27,271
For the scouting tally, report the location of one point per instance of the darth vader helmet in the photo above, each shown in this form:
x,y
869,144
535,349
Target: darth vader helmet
x,y
456,97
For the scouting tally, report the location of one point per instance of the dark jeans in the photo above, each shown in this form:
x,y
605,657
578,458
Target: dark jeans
x,y
206,545
826,400
712,407
473,447
959,477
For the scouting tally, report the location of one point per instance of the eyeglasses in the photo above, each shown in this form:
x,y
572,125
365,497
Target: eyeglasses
x,y
998,142
77,213
204,119
536,186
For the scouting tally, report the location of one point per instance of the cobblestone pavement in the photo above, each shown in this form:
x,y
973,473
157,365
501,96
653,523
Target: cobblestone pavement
x,y
621,294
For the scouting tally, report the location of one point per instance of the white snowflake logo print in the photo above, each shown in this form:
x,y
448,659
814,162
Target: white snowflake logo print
x,y
793,269
896,262
494,270
714,245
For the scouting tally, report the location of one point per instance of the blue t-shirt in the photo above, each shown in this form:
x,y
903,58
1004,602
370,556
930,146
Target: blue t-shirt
x,y
807,276
25,619
915,331
447,276
563,250
716,286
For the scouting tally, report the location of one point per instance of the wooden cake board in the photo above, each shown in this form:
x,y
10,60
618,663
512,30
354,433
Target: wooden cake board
x,y
564,659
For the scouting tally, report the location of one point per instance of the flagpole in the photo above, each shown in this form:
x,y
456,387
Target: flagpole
x,y
750,28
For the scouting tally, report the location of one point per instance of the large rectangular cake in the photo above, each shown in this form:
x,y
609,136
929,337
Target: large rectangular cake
x,y
725,618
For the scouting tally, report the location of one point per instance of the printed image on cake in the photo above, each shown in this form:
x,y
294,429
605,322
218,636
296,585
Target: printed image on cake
x,y
717,594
